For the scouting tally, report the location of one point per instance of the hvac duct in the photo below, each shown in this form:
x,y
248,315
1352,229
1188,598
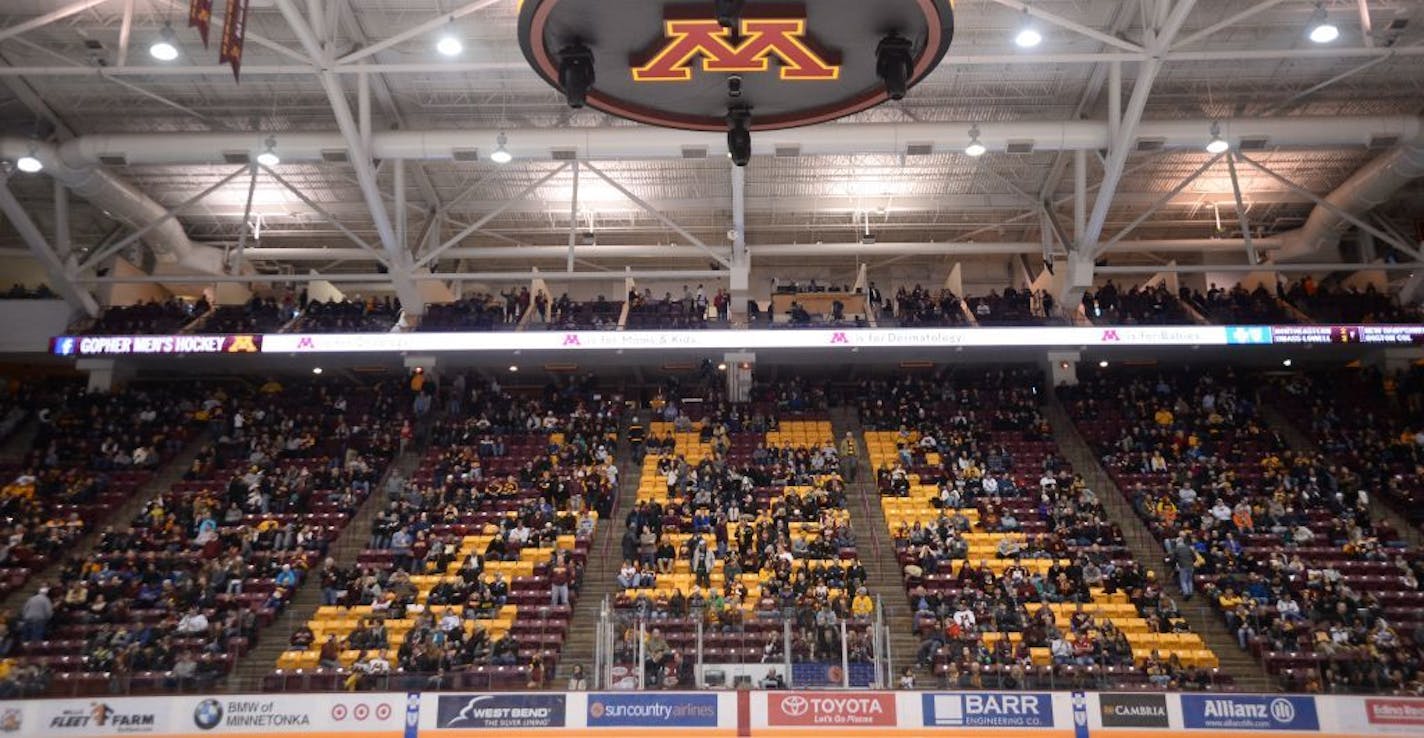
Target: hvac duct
x,y
655,143
125,203
1365,190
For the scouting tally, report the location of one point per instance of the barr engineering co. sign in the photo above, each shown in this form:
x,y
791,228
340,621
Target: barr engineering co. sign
x,y
732,64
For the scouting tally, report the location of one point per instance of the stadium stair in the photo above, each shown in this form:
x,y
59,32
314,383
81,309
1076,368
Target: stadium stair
x,y
1298,441
247,673
18,444
600,577
883,579
1248,673
166,476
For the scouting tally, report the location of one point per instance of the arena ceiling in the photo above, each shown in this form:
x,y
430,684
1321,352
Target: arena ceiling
x,y
75,71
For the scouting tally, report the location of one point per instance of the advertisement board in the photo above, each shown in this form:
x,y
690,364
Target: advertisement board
x,y
639,710
988,710
1133,710
500,711
98,717
306,714
831,709
1248,712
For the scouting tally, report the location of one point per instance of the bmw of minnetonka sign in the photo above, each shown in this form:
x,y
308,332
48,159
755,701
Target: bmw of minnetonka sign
x,y
694,65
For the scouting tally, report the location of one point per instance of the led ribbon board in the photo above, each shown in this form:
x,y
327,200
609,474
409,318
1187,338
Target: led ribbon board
x,y
688,65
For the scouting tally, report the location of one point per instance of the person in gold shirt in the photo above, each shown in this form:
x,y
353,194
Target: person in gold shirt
x,y
862,606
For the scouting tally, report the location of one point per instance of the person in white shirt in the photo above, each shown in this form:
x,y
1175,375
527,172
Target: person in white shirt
x,y
964,617
1221,511
193,623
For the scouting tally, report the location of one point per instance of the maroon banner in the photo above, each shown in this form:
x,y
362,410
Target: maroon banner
x,y
233,31
200,16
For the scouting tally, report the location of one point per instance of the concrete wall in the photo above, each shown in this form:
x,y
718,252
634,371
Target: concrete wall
x,y
29,324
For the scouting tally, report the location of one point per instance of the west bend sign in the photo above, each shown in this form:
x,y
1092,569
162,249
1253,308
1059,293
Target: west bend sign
x,y
677,65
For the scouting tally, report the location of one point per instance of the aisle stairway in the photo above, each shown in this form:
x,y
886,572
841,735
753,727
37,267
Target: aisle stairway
x,y
167,474
1248,673
877,553
600,576
261,660
1298,441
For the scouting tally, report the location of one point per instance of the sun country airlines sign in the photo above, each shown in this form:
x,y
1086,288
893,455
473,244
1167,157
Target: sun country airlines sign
x,y
685,64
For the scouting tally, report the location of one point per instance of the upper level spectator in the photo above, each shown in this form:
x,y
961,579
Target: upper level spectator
x,y
686,311
1013,307
1238,305
1336,304
19,291
148,318
600,314
479,312
1155,305
372,315
258,315
919,308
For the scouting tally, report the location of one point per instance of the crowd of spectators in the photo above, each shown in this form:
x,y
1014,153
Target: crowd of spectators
x,y
148,318
1013,307
920,308
1337,304
598,315
646,312
1238,305
480,312
19,291
257,315
1155,305
473,564
171,597
1282,542
371,315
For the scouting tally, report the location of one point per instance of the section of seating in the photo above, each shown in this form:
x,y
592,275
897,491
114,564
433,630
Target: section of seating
x,y
1333,303
1281,543
1013,307
1240,306
148,318
646,312
172,598
920,308
89,454
19,291
258,315
597,315
372,315
1015,576
740,525
1155,305
474,563
1369,422
480,312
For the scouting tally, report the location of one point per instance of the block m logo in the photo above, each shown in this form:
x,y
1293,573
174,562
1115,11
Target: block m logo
x,y
759,39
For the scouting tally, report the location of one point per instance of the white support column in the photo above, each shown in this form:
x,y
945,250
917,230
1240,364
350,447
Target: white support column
x,y
1077,277
103,373
740,367
62,243
741,266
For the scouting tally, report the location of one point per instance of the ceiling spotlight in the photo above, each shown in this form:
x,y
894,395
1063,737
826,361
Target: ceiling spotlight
x,y
739,135
894,64
1217,145
1028,36
316,370
721,367
269,157
501,155
514,367
449,45
1103,364
576,73
975,148
165,47
1322,31
1287,362
29,163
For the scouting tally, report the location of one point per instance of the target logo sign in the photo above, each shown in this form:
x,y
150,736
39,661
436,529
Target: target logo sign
x,y
361,712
